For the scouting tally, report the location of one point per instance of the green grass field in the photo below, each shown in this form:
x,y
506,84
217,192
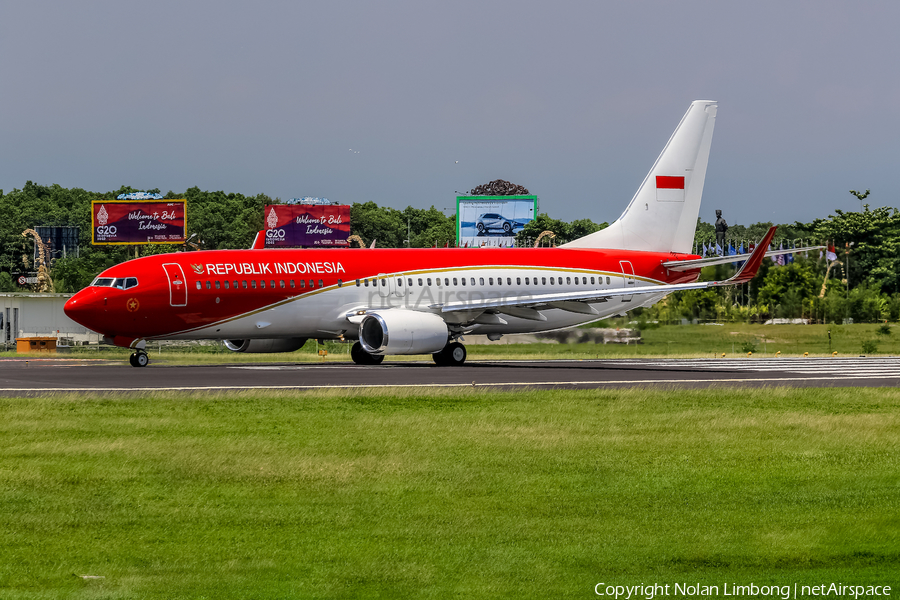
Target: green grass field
x,y
468,494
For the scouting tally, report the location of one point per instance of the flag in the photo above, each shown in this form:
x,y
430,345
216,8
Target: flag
x,y
669,188
831,254
731,250
718,249
790,257
780,257
705,249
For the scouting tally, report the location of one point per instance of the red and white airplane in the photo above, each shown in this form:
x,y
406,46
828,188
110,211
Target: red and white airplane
x,y
420,301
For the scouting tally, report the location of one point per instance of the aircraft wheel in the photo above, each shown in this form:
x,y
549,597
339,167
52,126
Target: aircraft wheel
x,y
139,359
453,355
456,354
361,357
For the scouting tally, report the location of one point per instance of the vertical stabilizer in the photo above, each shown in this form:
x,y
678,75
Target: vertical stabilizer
x,y
662,216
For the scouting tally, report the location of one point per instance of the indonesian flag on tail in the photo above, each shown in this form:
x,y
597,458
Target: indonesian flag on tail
x,y
669,188
831,253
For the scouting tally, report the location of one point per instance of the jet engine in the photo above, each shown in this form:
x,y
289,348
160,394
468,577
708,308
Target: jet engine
x,y
267,345
400,331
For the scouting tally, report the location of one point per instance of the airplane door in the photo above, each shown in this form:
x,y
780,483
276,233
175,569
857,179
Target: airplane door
x,y
384,284
628,280
399,286
177,284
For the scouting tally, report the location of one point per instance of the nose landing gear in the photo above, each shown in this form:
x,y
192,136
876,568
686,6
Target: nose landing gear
x,y
139,359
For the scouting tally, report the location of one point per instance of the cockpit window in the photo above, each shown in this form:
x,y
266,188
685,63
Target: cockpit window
x,y
121,283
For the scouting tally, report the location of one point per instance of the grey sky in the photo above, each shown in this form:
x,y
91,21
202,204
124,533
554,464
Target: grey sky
x,y
573,100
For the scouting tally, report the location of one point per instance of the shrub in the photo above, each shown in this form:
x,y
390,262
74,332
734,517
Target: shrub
x,y
869,347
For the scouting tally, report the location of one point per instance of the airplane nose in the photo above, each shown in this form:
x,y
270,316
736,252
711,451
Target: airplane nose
x,y
85,308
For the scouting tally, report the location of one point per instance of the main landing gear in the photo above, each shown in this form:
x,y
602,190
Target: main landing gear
x,y
453,355
139,359
361,357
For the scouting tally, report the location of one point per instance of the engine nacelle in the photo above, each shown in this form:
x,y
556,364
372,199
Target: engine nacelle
x,y
400,331
267,345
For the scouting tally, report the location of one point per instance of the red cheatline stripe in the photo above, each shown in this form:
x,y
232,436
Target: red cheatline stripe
x,y
669,183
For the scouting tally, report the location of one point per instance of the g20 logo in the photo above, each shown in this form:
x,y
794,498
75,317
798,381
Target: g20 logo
x,y
106,230
275,234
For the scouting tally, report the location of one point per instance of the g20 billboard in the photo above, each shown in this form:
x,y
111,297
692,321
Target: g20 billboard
x,y
137,222
291,225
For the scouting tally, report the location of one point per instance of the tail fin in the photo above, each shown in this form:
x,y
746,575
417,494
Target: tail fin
x,y
662,216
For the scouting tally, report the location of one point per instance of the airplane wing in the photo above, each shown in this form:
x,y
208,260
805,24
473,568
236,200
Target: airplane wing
x,y
259,242
699,263
579,301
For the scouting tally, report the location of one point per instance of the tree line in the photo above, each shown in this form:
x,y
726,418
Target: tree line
x,y
862,284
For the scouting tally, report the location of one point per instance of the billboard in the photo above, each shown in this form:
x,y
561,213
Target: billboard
x,y
137,222
291,225
492,220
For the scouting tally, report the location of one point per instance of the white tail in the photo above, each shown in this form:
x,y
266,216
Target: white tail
x,y
662,216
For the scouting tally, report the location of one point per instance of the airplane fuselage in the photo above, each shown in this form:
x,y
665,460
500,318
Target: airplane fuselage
x,y
246,294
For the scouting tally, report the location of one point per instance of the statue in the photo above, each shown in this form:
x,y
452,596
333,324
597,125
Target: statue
x,y
721,229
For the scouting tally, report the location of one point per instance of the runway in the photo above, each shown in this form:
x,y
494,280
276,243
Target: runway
x,y
40,376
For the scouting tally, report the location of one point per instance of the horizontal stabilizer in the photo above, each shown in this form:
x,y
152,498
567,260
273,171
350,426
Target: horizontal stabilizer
x,y
699,263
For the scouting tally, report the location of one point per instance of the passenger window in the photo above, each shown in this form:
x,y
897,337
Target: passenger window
x,y
303,283
366,281
481,281
544,280
607,281
383,282
526,281
199,286
518,281
262,284
592,281
454,281
568,281
357,283
218,284
312,284
420,281
226,285
584,281
323,285
293,286
491,280
208,285
446,281
429,281
409,282
472,280
462,280
340,282
235,284
509,281
244,284
552,281
253,283
281,284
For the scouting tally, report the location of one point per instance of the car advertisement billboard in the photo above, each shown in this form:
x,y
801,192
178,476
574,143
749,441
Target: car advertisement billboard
x,y
137,222
291,225
492,220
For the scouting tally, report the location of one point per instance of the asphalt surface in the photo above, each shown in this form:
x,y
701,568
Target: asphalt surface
x,y
39,376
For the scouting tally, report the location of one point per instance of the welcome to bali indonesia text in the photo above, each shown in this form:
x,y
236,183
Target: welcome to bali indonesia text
x,y
785,592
